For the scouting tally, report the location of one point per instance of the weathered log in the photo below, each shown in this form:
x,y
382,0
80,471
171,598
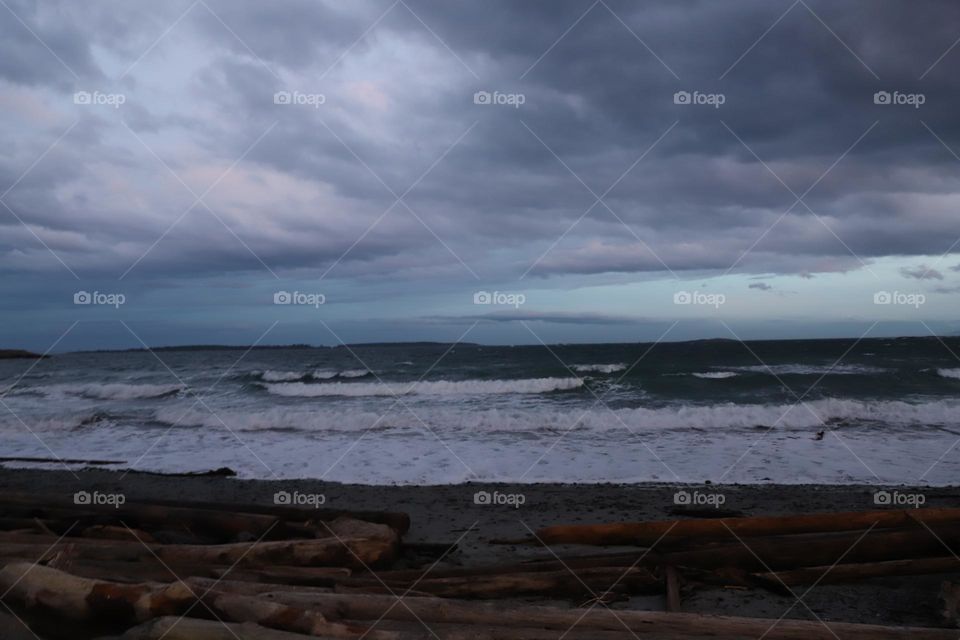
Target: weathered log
x,y
83,599
795,551
225,524
305,576
147,569
349,543
863,571
249,588
647,533
644,623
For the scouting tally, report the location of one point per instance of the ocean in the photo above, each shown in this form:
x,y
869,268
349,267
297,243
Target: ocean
x,y
882,411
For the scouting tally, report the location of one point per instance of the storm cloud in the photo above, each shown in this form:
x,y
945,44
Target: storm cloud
x,y
422,141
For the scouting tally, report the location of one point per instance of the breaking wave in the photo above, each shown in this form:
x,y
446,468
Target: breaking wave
x,y
319,374
599,368
720,418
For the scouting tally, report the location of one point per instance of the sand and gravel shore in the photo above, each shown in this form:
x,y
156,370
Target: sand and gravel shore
x,y
449,514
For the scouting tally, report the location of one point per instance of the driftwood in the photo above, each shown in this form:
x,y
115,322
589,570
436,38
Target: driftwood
x,y
647,533
794,551
221,525
309,576
210,517
864,571
304,576
348,543
83,599
439,610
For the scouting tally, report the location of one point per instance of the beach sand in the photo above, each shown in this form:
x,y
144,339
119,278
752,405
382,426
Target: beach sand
x,y
448,514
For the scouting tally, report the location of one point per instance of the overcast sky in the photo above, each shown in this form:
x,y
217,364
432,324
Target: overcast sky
x,y
613,170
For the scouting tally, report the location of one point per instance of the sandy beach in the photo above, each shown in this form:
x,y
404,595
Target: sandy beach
x,y
448,514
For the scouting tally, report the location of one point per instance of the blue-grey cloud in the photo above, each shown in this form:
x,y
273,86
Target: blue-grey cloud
x,y
832,145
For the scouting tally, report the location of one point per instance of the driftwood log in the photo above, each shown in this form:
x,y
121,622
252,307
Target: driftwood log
x,y
349,543
82,599
864,571
205,518
647,533
438,610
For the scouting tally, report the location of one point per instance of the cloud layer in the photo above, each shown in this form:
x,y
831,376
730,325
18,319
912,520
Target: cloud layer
x,y
429,142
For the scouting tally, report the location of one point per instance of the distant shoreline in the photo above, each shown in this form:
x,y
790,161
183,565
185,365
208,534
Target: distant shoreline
x,y
16,353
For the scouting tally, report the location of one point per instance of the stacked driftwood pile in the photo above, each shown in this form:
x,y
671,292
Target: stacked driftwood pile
x,y
203,572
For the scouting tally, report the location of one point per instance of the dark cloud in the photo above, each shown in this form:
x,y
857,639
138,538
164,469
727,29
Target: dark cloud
x,y
762,286
488,190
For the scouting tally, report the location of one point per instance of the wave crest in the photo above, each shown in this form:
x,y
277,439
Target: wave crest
x,y
319,374
599,368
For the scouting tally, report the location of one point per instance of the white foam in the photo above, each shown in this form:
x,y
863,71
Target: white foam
x,y
280,376
318,374
476,451
803,369
437,387
354,373
717,418
714,375
599,368
949,373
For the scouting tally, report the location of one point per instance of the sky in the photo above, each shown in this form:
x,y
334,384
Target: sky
x,y
507,172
